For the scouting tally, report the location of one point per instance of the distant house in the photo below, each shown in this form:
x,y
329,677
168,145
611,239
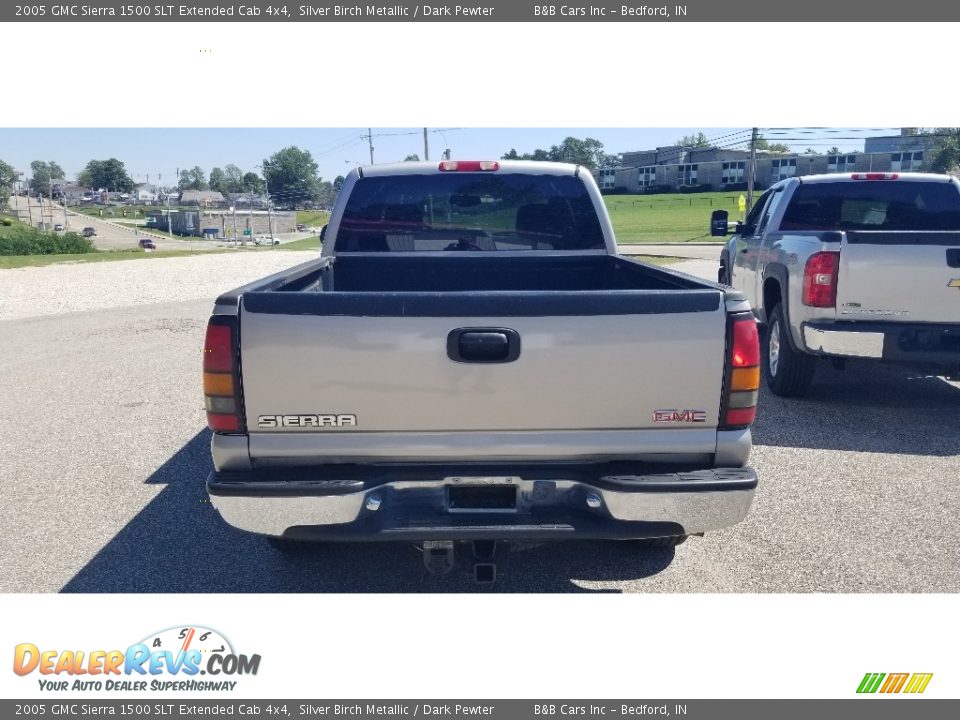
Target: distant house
x,y
206,198
73,193
145,193
248,200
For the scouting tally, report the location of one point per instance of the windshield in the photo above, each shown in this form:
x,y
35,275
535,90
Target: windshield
x,y
874,205
469,211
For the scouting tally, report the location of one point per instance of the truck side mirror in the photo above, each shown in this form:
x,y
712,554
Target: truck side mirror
x,y
718,223
323,233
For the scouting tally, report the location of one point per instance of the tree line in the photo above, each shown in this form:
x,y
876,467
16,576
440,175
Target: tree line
x,y
290,178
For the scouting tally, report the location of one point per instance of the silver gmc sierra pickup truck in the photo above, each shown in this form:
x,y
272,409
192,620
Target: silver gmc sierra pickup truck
x,y
861,265
471,360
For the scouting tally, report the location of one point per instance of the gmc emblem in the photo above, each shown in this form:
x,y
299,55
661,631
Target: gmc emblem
x,y
679,416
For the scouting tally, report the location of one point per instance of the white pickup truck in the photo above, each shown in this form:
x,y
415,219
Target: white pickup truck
x,y
862,265
471,360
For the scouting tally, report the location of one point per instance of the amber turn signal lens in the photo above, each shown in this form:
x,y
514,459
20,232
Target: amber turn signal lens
x,y
217,384
745,379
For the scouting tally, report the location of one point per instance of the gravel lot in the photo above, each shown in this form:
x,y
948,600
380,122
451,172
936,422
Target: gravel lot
x,y
104,454
79,287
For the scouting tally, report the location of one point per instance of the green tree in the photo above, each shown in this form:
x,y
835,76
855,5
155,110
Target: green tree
x,y
218,180
698,140
587,152
252,183
833,151
326,193
106,175
8,177
232,179
193,179
764,144
44,175
291,176
943,156
338,182
412,158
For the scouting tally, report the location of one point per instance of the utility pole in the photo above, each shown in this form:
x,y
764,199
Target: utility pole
x,y
752,169
169,217
29,209
234,211
370,141
426,146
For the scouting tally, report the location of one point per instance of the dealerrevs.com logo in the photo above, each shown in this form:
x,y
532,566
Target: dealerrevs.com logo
x,y
172,659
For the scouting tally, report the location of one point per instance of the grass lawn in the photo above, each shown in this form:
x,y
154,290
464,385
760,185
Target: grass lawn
x,y
668,218
19,261
313,218
310,243
657,259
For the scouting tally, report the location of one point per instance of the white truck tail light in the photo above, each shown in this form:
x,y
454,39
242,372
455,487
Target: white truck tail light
x,y
820,280
874,176
221,376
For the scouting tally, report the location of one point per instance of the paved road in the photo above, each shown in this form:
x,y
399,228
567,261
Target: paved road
x,y
104,454
110,235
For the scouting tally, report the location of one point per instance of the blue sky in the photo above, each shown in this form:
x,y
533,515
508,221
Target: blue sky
x,y
159,152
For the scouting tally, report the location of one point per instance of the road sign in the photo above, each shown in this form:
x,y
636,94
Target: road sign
x,y
247,232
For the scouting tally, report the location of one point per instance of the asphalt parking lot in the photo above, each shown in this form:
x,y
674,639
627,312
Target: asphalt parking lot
x,y
105,452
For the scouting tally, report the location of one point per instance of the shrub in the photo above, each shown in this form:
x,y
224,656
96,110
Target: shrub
x,y
25,240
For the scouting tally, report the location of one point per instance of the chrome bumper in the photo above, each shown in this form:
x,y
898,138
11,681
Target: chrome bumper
x,y
544,508
921,344
843,343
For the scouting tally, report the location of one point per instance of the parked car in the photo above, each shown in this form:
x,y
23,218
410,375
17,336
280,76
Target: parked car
x,y
58,227
301,227
89,231
147,244
857,265
493,371
265,240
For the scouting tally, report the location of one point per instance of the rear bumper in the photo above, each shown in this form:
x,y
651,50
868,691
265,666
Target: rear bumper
x,y
528,504
912,343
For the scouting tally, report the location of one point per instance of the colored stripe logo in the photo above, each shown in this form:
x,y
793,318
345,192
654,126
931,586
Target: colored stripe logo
x,y
914,683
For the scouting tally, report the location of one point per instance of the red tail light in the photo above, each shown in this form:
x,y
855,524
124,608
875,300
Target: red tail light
x,y
469,165
742,385
221,377
874,176
820,279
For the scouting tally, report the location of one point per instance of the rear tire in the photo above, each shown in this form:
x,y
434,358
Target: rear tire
x,y
789,372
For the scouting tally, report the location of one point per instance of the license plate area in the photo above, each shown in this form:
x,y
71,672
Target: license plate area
x,y
481,495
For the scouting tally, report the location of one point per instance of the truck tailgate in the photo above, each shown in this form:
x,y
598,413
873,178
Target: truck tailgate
x,y
901,276
387,363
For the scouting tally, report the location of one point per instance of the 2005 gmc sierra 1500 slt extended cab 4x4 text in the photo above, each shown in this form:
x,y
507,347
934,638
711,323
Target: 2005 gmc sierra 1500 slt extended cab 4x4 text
x,y
470,360
855,265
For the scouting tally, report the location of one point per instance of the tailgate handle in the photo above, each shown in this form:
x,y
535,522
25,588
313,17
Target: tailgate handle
x,y
483,345
953,257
